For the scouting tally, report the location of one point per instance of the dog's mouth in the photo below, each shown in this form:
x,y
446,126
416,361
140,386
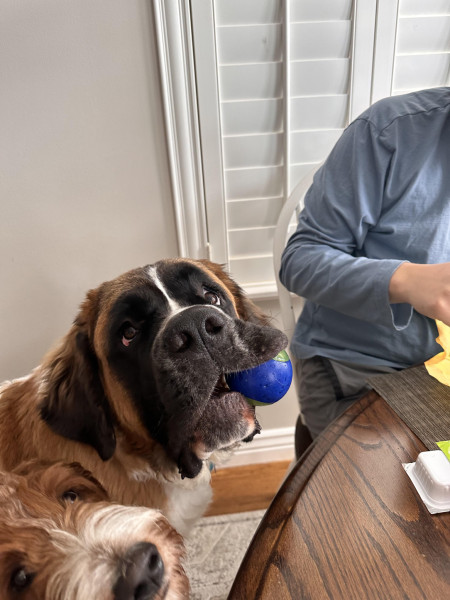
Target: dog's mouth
x,y
223,395
227,420
203,413
220,389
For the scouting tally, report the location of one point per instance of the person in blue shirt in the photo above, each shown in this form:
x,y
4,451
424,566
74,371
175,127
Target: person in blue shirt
x,y
371,253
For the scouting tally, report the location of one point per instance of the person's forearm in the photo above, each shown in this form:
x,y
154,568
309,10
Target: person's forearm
x,y
425,287
357,287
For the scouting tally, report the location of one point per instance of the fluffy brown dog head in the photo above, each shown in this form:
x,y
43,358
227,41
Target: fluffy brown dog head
x,y
146,357
61,540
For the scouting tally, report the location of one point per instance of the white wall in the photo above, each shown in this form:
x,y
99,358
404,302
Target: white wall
x,y
84,180
84,174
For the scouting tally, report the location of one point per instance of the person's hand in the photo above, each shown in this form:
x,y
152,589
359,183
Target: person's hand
x,y
425,287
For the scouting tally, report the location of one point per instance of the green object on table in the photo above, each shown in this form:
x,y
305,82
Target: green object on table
x,y
445,447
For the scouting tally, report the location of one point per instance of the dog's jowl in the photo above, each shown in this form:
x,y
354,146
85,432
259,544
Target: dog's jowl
x,y
135,391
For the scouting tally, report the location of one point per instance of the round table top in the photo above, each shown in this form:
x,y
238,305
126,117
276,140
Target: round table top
x,y
347,521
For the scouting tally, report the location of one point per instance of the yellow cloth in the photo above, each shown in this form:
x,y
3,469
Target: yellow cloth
x,y
439,365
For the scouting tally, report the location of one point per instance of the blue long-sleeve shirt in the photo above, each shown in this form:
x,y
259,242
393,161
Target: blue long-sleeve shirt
x,y
382,197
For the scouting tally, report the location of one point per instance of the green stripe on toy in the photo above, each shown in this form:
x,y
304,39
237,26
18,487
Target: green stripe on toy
x,y
264,384
282,356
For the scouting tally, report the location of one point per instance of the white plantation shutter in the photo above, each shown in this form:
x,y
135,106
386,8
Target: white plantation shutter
x,y
276,82
264,52
414,41
423,45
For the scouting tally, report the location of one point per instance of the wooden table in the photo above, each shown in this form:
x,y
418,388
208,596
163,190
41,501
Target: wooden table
x,y
348,522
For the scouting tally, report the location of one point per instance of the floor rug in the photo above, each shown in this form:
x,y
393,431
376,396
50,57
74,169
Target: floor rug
x,y
215,550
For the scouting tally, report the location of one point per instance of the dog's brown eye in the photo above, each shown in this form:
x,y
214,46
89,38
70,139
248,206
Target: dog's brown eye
x,y
21,579
211,297
128,334
70,496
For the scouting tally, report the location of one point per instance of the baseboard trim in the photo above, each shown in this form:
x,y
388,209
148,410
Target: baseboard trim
x,y
271,445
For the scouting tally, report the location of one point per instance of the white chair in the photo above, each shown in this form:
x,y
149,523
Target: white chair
x,y
288,317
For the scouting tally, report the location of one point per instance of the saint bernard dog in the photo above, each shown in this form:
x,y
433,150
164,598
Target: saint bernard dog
x,y
135,391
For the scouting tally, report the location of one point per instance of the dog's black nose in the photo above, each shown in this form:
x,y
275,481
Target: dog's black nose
x,y
141,572
194,329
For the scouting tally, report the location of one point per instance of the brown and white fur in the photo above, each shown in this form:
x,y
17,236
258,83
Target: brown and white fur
x,y
135,391
60,539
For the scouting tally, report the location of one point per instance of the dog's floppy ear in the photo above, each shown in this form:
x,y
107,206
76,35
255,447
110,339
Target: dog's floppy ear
x,y
73,403
246,309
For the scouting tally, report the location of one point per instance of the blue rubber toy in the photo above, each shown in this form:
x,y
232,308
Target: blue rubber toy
x,y
264,384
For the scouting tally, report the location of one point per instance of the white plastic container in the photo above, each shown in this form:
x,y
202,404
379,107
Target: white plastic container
x,y
430,475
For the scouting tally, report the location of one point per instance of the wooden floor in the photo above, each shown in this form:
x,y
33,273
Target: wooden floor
x,y
240,489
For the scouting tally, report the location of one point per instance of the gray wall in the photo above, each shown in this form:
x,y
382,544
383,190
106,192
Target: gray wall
x,y
85,189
